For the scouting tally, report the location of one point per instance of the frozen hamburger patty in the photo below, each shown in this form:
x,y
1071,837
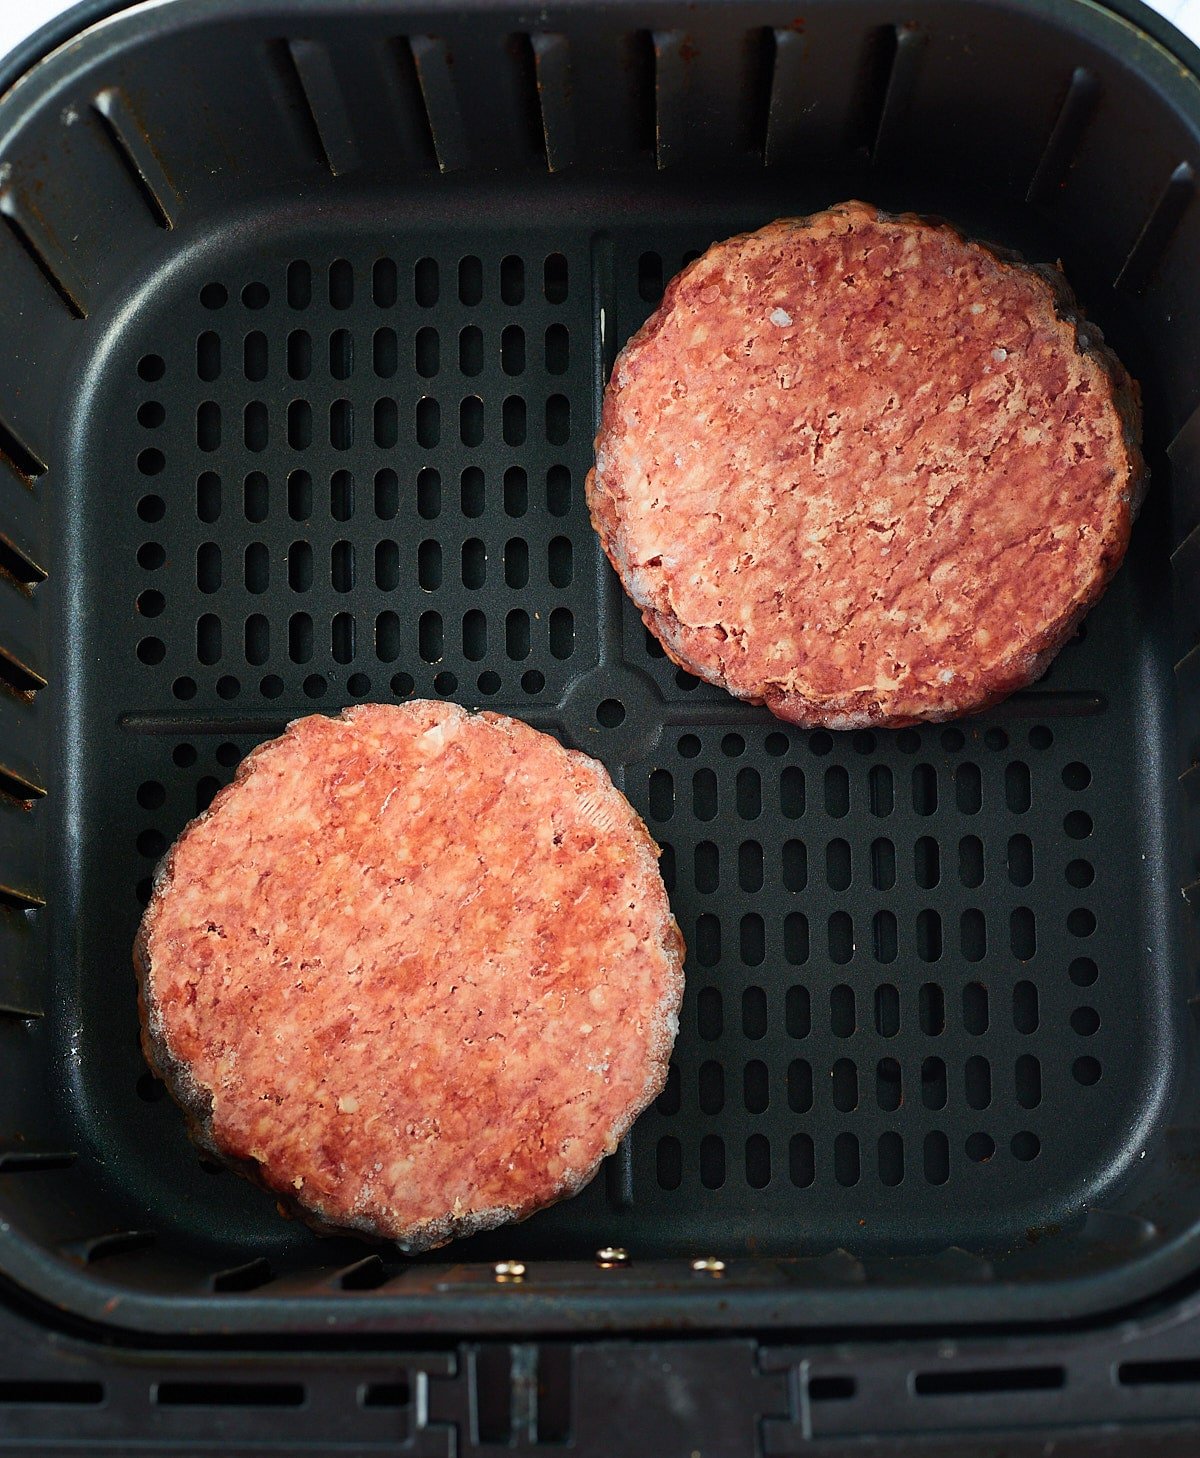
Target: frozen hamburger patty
x,y
414,970
865,471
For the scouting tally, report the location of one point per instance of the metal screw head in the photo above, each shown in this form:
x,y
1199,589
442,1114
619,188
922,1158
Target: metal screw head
x,y
609,1256
510,1270
709,1266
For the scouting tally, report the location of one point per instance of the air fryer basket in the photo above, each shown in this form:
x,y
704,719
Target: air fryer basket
x,y
306,312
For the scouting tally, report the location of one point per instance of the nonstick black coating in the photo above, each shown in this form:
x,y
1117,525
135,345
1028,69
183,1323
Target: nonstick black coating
x,y
323,440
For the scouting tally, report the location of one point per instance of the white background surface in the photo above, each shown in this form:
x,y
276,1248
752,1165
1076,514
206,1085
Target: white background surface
x,y
19,18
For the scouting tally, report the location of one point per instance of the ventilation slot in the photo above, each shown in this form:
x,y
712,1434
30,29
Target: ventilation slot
x,y
993,1379
17,787
325,104
246,1277
552,69
17,455
1076,112
394,1394
906,53
366,1275
37,241
130,139
229,1394
432,60
670,85
120,1242
1180,1371
1147,253
785,114
16,565
18,1393
18,677
26,1161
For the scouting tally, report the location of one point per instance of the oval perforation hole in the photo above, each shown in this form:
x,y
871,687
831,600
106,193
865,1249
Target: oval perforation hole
x,y
837,791
931,1009
385,353
846,1166
795,939
838,868
426,352
1020,860
470,421
888,1086
661,787
756,1087
887,1010
801,1161
558,490
516,492
891,1158
299,354
968,789
791,792
883,864
799,1086
712,1162
758,1162
710,1020
474,636
255,356
558,349
1025,1007
795,865
936,1157
208,496
927,865
929,935
845,1086
708,939
752,940
385,283
470,281
668,1163
387,646
208,356
341,284
885,937
425,282
430,637
555,279
881,794
385,422
798,1012
975,1008
1022,933
750,869
841,937
754,1012
512,350
970,861
704,794
1027,1081
711,1087
977,1082
842,1017
1017,788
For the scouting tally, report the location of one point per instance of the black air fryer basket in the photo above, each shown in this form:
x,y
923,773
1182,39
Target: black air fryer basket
x,y
305,314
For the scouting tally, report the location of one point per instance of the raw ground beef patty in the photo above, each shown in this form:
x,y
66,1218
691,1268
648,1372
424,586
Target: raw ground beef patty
x,y
865,471
414,970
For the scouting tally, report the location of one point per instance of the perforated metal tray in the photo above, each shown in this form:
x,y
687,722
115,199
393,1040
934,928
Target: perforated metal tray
x,y
323,439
